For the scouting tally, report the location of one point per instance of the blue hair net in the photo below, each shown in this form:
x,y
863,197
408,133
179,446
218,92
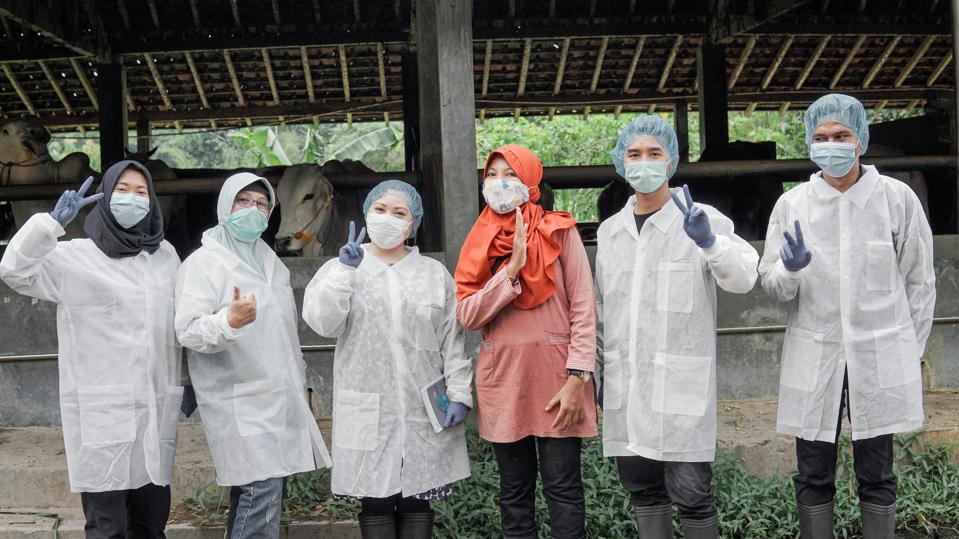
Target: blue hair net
x,y
649,125
842,108
400,189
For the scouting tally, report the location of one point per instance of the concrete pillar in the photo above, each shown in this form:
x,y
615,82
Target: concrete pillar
x,y
681,124
143,135
954,218
112,96
713,104
444,54
411,112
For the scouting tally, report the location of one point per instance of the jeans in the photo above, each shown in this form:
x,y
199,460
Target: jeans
x,y
374,507
558,465
872,460
255,510
655,482
136,514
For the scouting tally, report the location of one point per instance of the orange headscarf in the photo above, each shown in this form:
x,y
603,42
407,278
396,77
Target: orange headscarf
x,y
492,237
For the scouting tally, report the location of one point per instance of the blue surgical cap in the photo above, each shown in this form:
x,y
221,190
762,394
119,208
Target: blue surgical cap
x,y
842,108
648,125
400,189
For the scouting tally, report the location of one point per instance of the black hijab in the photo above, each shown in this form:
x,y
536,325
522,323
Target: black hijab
x,y
114,240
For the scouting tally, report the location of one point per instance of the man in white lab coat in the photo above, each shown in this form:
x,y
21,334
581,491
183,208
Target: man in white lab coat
x,y
236,316
658,263
850,253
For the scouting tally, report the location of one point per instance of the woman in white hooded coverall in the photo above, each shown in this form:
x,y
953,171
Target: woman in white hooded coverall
x,y
119,361
393,314
658,264
236,315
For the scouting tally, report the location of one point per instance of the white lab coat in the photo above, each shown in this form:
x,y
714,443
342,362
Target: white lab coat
x,y
864,303
396,332
250,382
656,331
119,361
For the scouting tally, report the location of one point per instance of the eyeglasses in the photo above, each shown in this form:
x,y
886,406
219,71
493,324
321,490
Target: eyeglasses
x,y
245,202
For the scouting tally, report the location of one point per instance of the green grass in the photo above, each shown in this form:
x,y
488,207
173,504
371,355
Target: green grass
x,y
749,506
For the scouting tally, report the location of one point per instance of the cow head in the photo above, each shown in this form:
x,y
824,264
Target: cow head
x,y
305,199
23,142
159,170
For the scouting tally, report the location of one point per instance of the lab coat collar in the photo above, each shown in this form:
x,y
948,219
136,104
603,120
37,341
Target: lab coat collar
x,y
858,194
232,261
662,219
374,266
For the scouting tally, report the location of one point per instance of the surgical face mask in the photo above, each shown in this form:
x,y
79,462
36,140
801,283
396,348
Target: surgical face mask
x,y
386,231
504,195
246,224
836,159
129,209
646,176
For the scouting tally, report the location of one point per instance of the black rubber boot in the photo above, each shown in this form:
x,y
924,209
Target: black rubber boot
x,y
815,521
654,521
416,525
706,528
878,521
378,527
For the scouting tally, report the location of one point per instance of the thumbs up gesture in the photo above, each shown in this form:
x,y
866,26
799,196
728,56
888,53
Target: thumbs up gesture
x,y
242,310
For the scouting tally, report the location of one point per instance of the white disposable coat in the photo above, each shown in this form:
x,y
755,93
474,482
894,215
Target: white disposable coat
x,y
119,361
656,331
250,382
864,303
396,331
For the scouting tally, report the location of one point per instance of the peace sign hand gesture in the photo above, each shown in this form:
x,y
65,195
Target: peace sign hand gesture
x,y
71,202
351,254
695,220
794,254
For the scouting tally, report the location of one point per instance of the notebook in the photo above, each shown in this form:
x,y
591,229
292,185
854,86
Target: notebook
x,y
430,394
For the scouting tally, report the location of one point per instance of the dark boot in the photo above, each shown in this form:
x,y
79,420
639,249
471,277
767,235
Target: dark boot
x,y
815,521
707,528
416,525
378,527
654,522
878,521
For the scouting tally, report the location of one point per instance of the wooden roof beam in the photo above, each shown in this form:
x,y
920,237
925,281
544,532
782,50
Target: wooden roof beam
x,y
807,69
277,16
124,14
154,14
317,13
268,65
560,71
847,61
523,72
484,89
914,60
307,74
673,53
196,80
741,64
357,14
940,68
85,82
345,76
235,9
777,61
597,71
56,87
151,64
881,61
24,98
195,13
381,71
631,72
240,100
67,23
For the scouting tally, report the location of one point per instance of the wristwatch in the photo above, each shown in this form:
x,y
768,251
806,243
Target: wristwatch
x,y
582,375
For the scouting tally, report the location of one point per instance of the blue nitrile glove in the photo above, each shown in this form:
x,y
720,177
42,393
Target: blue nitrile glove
x,y
351,254
71,201
695,220
455,414
794,253
442,402
188,404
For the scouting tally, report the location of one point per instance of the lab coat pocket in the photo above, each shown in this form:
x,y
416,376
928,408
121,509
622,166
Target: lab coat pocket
x,y
107,414
897,357
674,287
802,356
613,381
424,332
356,419
880,266
260,407
681,384
170,413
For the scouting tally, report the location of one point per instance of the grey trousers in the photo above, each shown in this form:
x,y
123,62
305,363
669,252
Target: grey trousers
x,y
655,482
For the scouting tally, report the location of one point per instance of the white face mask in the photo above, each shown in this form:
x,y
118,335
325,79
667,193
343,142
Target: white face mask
x,y
386,231
834,158
129,209
646,176
504,195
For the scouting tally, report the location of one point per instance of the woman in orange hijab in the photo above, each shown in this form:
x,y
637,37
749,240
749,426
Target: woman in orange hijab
x,y
523,279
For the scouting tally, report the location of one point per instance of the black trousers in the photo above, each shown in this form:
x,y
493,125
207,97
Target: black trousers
x,y
558,463
397,503
655,482
872,461
126,514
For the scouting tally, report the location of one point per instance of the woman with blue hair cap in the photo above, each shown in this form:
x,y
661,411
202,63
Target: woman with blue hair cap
x,y
392,312
850,254
658,263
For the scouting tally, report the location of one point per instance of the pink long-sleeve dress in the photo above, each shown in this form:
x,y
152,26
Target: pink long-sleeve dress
x,y
525,353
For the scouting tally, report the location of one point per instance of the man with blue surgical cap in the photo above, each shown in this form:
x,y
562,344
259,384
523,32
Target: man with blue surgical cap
x,y
658,263
850,254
